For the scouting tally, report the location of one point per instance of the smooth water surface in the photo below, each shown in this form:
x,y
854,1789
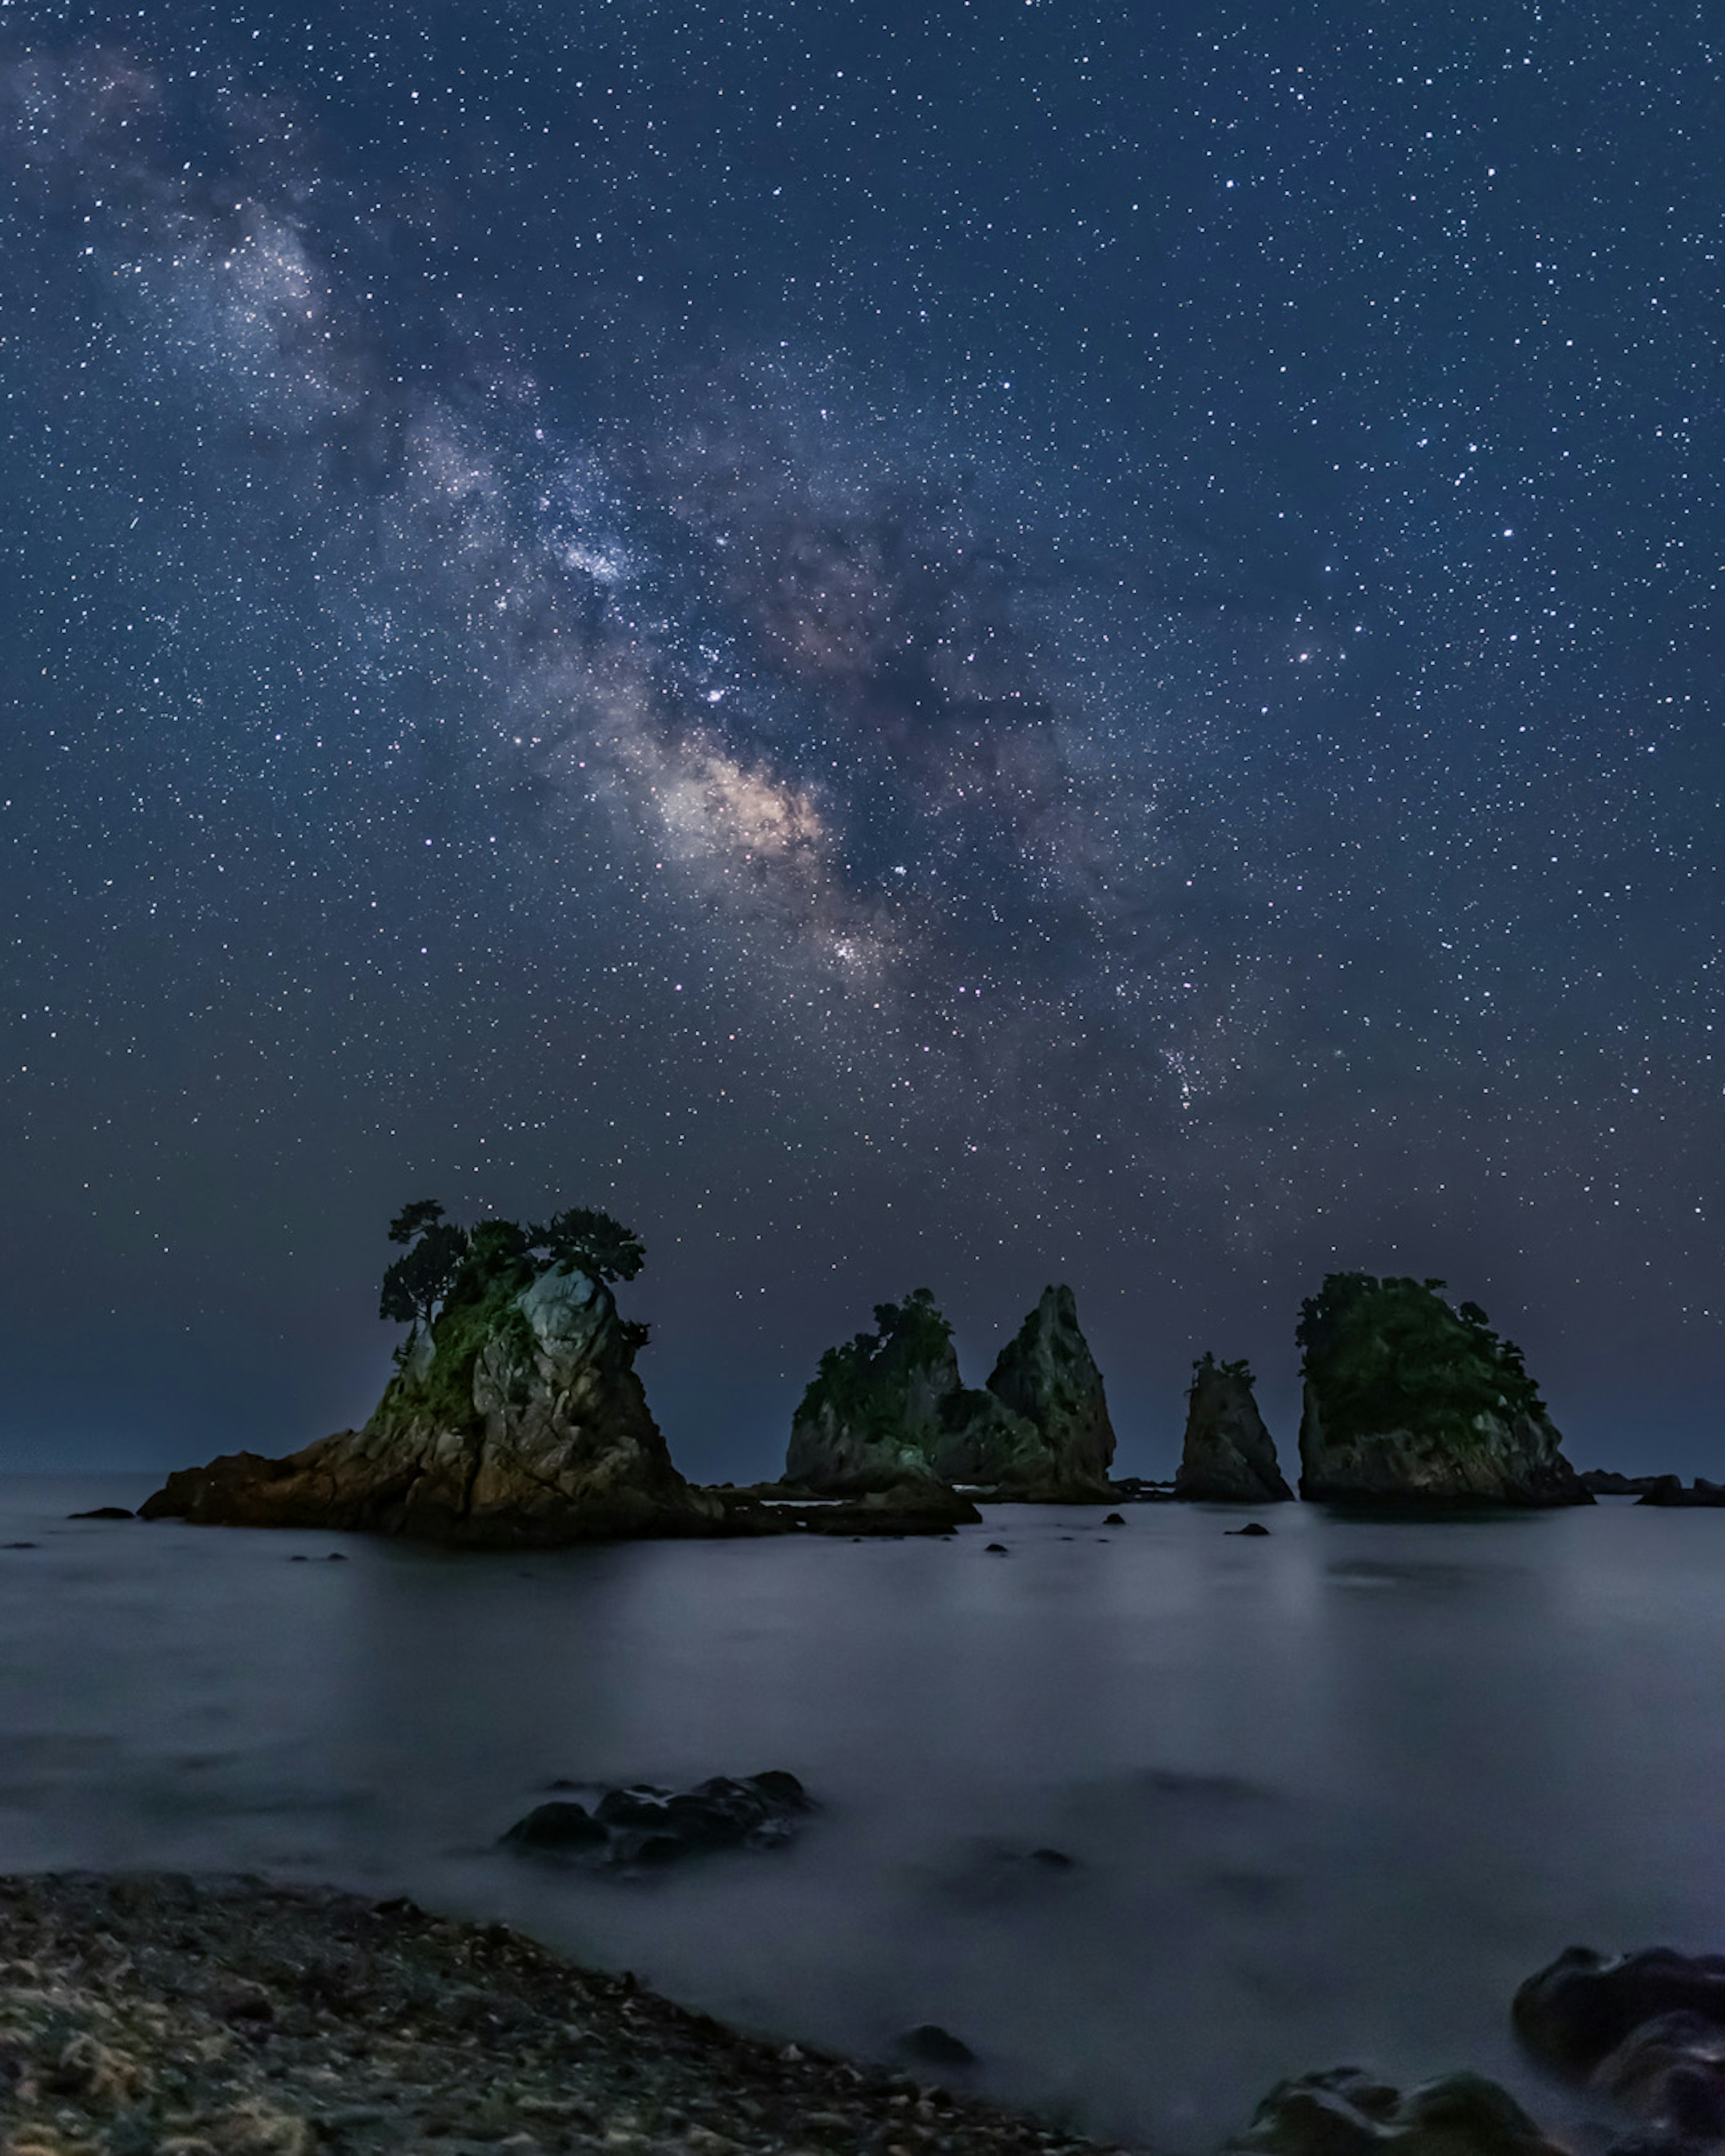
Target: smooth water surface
x,y
1331,1795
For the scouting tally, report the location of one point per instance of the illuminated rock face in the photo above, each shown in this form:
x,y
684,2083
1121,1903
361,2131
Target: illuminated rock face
x,y
1229,1457
890,1409
1409,1400
517,1419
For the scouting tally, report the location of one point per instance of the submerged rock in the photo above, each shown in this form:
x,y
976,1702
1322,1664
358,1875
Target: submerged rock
x,y
1047,1374
1346,2113
1410,1401
890,1410
515,1418
1229,1457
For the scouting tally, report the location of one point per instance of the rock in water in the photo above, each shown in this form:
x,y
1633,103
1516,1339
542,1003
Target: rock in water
x,y
1230,1456
1346,2113
515,1418
889,1409
1408,1401
1046,1374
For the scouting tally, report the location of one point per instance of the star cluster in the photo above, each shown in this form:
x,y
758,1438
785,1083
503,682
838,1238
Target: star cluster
x,y
974,644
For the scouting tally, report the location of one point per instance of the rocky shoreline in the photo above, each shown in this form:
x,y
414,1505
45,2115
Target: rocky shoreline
x,y
223,2016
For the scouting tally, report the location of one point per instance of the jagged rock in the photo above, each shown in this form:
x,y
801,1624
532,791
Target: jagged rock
x,y
517,1418
1046,1374
1229,1457
1408,1401
646,1825
889,1409
1346,2113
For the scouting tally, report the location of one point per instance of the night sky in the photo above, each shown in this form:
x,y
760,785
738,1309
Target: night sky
x,y
965,645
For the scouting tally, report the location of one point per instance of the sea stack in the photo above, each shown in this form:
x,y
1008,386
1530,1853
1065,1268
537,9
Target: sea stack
x,y
1408,1401
1229,1457
889,1409
516,1417
1046,1374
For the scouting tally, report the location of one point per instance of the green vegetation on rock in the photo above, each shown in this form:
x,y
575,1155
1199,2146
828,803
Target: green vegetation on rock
x,y
1391,1354
862,1384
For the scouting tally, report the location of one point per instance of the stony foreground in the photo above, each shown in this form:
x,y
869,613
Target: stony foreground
x,y
154,2015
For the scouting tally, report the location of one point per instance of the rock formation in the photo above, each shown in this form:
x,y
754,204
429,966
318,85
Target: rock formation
x,y
1669,1490
1410,1401
890,1409
1047,1374
1229,1457
516,1417
1645,2031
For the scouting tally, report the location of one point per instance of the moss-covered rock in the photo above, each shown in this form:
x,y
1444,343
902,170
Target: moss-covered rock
x,y
1046,1374
889,1409
1229,1457
516,1417
1410,1400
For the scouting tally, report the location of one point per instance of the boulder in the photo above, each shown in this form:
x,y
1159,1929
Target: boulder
x,y
515,1418
1346,2113
1046,1375
1410,1402
1646,2030
1229,1457
888,1410
642,1824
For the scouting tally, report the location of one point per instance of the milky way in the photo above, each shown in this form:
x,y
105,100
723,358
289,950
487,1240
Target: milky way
x,y
958,646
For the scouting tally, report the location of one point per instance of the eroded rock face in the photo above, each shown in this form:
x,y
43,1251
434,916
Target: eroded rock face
x,y
1408,1401
888,1410
1229,1457
517,1418
1046,1374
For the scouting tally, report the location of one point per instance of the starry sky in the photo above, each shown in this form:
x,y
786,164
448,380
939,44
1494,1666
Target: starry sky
x,y
961,643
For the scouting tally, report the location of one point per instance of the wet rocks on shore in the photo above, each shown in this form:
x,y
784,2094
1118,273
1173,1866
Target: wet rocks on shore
x,y
644,1824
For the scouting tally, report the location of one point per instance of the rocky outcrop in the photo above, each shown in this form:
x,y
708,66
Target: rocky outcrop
x,y
1408,1401
1607,1482
1047,1375
889,1409
515,1418
1229,1457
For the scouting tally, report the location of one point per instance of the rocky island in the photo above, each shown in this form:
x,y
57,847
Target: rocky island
x,y
1229,1457
515,1417
890,1410
1409,1400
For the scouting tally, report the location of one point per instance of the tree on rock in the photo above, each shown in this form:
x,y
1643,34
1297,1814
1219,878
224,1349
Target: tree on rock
x,y
590,1242
416,1285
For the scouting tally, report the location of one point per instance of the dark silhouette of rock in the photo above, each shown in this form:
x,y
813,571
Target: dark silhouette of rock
x,y
642,1824
934,2046
1582,2007
1251,1527
1668,1489
889,1409
1113,1519
1229,1457
996,1549
1346,2113
1046,1374
1410,1402
1647,2030
515,1418
104,1512
1607,1482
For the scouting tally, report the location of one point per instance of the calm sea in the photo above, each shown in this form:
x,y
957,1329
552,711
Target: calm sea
x,y
1330,1796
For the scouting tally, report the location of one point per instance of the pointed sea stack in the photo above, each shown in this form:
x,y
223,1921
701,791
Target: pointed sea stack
x,y
1410,1402
516,1419
1229,1457
1046,1374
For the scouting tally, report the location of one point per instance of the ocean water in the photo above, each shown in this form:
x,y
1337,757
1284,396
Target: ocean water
x,y
1329,1795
